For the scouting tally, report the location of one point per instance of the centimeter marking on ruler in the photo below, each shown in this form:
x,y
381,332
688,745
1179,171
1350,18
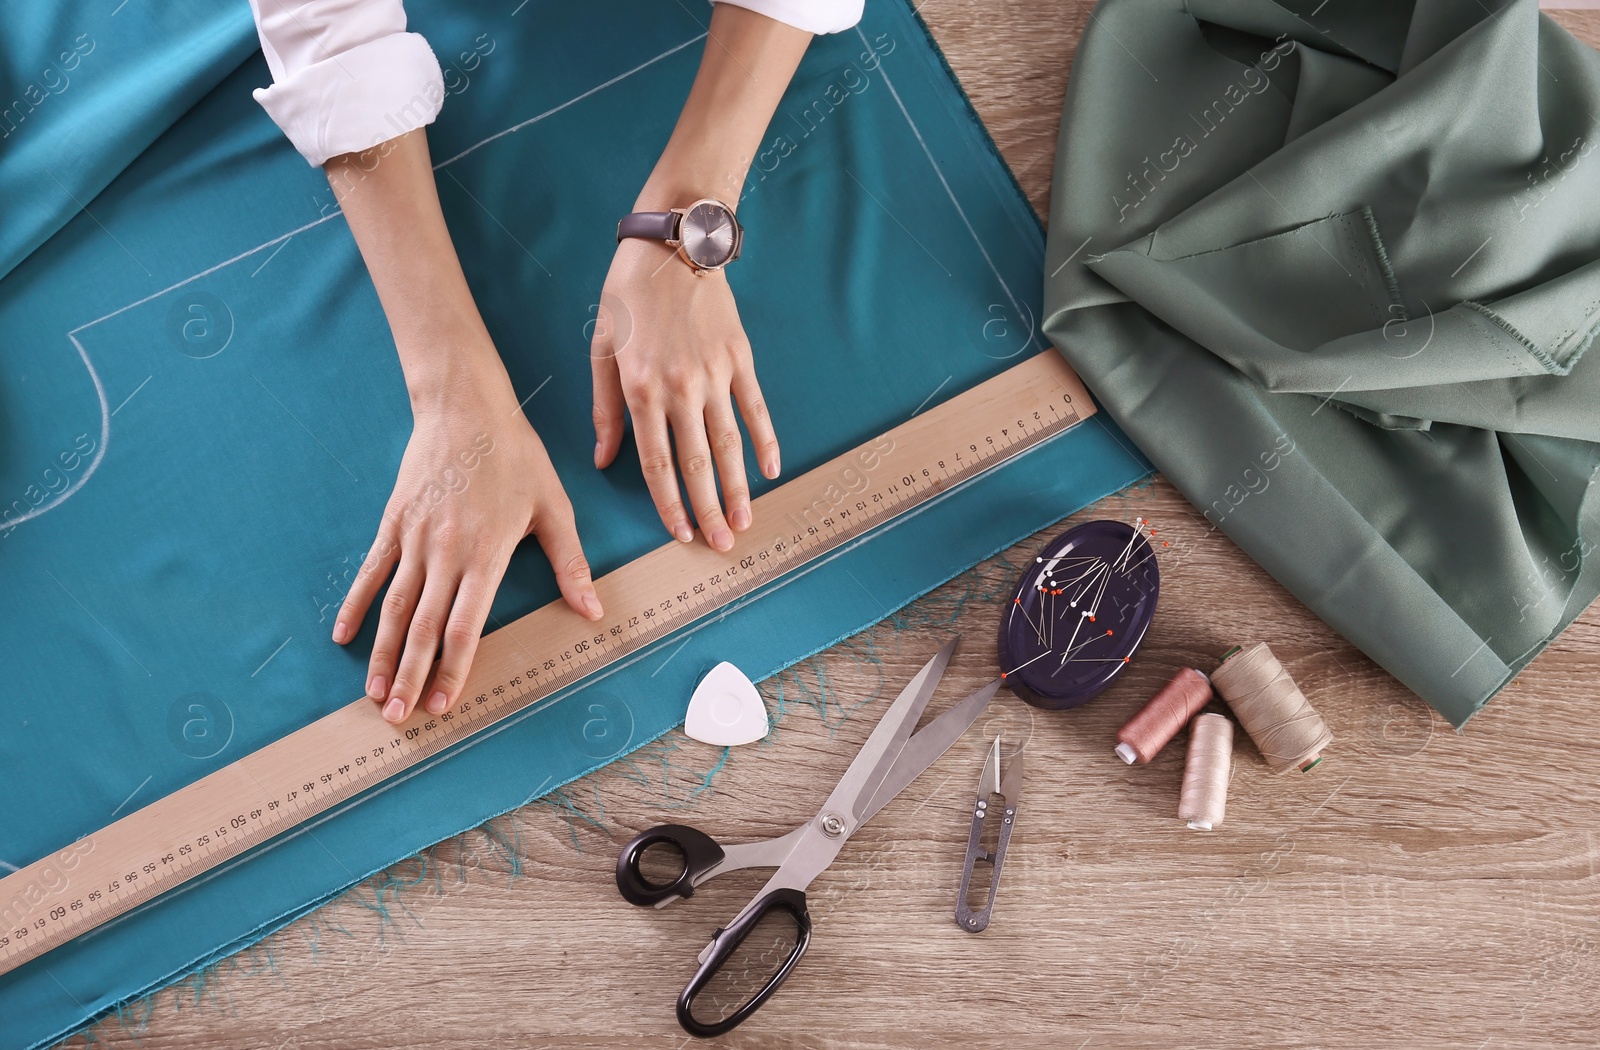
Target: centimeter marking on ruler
x,y
270,791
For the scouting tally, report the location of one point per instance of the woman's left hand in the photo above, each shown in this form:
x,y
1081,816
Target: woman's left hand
x,y
669,349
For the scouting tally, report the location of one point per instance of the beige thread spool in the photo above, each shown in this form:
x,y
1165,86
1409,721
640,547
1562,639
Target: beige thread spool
x,y
1204,798
1272,709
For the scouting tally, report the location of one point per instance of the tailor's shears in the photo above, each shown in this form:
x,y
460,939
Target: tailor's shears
x,y
890,759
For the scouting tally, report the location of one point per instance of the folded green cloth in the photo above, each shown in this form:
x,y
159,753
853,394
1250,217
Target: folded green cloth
x,y
1335,268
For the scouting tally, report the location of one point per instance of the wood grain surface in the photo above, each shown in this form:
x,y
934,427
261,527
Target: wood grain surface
x,y
1421,887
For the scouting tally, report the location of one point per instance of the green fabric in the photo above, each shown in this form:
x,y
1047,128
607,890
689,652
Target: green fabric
x,y
1335,268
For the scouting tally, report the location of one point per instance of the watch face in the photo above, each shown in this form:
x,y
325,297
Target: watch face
x,y
708,234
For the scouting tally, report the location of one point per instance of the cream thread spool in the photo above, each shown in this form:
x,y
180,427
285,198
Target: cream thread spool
x,y
1204,799
1286,728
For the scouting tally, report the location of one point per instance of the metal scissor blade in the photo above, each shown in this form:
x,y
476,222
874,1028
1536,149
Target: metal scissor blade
x,y
889,736
989,782
1011,783
925,747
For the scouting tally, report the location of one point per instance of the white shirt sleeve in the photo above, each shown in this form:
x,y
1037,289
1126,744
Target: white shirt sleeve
x,y
814,16
345,74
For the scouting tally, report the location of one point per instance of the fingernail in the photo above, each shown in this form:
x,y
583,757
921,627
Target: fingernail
x,y
721,538
375,687
597,453
683,532
770,468
394,710
436,703
591,605
740,518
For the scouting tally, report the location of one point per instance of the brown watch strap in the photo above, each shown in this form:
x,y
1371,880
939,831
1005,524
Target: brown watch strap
x,y
651,225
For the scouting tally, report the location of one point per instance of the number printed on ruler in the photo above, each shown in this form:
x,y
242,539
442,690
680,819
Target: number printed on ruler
x,y
262,794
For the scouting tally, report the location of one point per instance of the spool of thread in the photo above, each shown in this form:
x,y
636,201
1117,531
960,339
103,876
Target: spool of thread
x,y
1272,709
1204,798
1159,720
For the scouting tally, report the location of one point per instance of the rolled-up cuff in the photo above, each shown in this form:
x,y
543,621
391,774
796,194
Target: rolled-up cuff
x,y
355,99
813,16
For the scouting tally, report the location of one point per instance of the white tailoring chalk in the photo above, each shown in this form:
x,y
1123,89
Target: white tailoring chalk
x,y
726,710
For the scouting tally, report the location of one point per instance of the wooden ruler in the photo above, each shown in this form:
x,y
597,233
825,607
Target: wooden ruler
x,y
270,791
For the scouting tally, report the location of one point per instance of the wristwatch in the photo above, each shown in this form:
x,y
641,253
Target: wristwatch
x,y
706,233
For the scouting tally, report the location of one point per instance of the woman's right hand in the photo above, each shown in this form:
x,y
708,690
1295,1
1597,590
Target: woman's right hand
x,y
474,481
475,478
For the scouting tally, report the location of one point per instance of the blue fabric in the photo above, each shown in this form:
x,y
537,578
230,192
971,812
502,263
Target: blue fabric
x,y
81,96
201,416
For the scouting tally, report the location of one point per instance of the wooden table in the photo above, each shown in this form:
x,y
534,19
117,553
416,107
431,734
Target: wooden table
x,y
1421,887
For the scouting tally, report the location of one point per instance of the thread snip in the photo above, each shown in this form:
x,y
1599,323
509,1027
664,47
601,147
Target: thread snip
x,y
1158,722
1272,709
1204,799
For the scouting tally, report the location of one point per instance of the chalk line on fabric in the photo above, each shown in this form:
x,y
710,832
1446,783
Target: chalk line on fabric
x,y
888,82
279,241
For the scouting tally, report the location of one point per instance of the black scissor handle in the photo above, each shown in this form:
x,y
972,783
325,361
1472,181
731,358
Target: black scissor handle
x,y
698,851
725,942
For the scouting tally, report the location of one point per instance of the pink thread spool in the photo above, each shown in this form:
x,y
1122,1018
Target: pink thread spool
x,y
1158,721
